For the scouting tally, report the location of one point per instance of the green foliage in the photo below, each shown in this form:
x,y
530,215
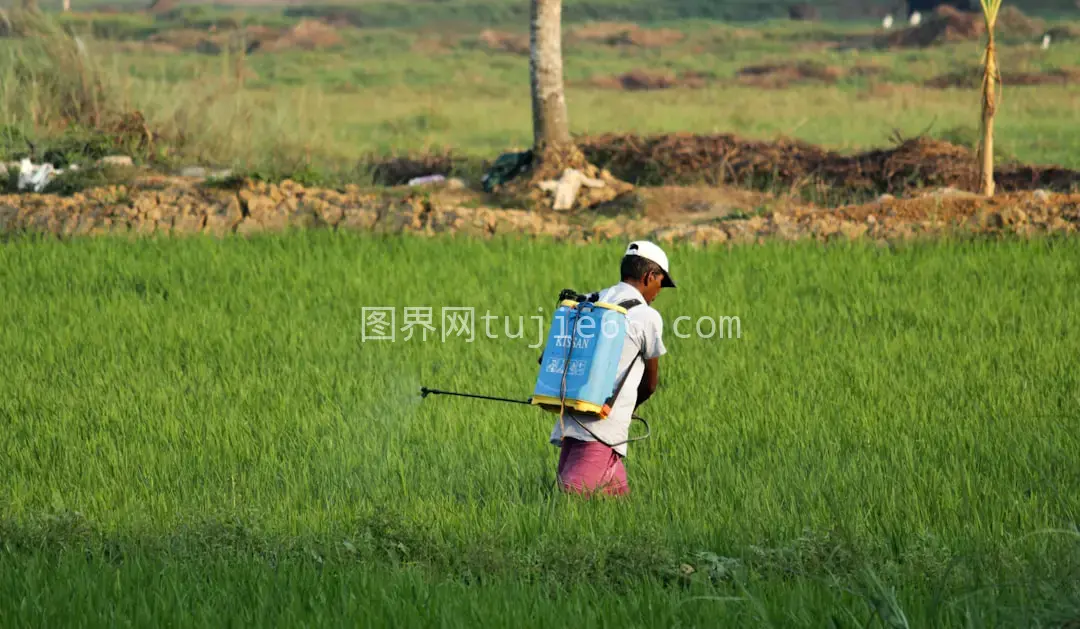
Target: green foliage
x,y
114,26
195,427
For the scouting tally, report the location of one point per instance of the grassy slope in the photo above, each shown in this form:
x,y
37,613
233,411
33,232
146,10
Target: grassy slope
x,y
390,91
210,412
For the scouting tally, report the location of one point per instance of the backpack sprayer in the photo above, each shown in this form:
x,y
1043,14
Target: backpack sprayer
x,y
577,371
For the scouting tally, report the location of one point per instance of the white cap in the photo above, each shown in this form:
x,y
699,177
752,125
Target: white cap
x,y
650,251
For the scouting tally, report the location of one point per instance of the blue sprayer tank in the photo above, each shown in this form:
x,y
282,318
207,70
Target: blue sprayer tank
x,y
593,348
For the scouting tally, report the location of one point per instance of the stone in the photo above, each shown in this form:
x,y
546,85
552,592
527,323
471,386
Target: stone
x,y
1041,195
1058,224
195,172
885,197
258,207
188,224
359,219
328,213
248,226
1013,216
708,235
224,218
852,230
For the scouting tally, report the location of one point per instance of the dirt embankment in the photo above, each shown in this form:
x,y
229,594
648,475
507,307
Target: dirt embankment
x,y
259,207
304,35
915,164
949,25
972,79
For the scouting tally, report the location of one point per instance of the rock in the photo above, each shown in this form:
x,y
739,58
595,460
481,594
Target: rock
x,y
196,172
708,235
1041,195
852,230
1058,224
885,197
1013,216
328,213
993,220
358,219
258,207
116,161
224,218
188,224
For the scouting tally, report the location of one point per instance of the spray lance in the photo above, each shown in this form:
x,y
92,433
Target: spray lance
x,y
586,385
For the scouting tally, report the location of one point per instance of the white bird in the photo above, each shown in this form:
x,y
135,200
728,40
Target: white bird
x,y
916,18
887,22
1046,41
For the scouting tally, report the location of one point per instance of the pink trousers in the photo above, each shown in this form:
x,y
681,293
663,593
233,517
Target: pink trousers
x,y
587,467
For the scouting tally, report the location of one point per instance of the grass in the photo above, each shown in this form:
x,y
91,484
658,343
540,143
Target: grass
x,y
392,91
196,425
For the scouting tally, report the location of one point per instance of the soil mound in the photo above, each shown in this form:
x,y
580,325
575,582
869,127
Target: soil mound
x,y
640,80
305,35
624,34
498,41
779,75
949,25
682,159
971,79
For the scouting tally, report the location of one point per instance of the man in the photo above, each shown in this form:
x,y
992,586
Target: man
x,y
593,449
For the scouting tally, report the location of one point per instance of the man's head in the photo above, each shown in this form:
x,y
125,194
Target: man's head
x,y
645,267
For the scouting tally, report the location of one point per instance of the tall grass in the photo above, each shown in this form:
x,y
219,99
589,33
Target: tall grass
x,y
895,429
387,92
55,86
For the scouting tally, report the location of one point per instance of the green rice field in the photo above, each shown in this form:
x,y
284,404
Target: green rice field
x,y
196,432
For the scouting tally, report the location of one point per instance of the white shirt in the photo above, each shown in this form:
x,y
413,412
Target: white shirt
x,y
644,335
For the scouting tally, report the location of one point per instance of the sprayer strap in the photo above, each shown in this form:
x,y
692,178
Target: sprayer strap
x,y
628,304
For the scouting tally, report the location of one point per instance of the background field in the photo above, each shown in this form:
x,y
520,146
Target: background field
x,y
417,81
195,427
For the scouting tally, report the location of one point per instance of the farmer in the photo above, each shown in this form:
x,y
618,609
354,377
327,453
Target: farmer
x,y
586,464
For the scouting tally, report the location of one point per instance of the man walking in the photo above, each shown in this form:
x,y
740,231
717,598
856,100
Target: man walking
x,y
592,449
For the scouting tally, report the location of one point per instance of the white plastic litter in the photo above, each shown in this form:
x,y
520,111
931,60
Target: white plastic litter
x,y
35,176
422,181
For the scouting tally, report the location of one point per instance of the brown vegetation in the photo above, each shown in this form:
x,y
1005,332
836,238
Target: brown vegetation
x,y
948,25
304,35
780,75
624,34
498,41
971,79
716,159
640,79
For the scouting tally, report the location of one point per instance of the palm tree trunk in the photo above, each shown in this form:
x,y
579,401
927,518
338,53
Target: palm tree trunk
x,y
551,126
